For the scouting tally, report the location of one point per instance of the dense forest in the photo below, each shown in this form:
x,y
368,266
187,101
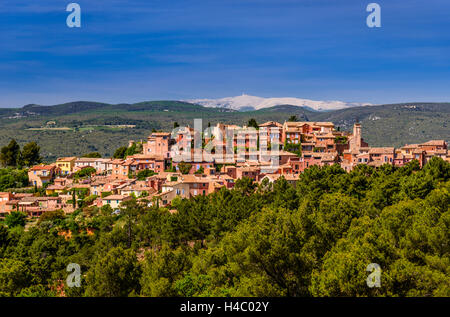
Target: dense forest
x,y
314,239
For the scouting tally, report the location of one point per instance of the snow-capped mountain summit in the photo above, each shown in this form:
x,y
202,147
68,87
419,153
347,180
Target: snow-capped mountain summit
x,y
246,102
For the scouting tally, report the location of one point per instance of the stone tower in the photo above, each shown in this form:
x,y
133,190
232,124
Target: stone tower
x,y
355,143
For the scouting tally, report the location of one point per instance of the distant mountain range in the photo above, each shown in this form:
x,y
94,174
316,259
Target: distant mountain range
x,y
249,103
80,127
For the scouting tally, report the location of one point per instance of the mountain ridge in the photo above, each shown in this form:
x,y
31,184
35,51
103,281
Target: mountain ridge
x,y
80,127
248,103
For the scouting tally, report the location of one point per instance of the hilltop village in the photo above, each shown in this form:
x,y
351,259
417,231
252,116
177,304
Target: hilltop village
x,y
158,175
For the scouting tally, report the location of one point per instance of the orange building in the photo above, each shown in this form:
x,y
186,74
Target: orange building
x,y
297,132
40,174
158,144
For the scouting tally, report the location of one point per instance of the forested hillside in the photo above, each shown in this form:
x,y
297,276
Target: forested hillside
x,y
397,124
76,128
315,239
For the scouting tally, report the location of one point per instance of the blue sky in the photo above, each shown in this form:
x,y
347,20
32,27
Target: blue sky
x,y
136,50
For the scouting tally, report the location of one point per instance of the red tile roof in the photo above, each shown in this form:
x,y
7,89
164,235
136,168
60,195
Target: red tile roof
x,y
42,167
